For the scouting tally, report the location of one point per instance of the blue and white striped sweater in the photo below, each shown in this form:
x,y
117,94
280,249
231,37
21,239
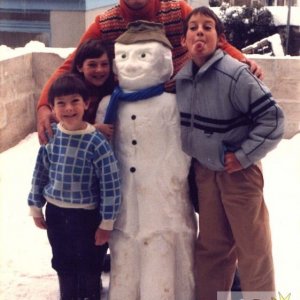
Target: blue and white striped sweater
x,y
77,169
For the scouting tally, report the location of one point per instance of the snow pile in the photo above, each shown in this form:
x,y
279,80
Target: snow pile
x,y
32,46
25,258
275,41
276,44
25,270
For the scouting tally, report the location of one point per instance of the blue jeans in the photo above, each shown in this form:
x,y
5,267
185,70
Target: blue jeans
x,y
71,233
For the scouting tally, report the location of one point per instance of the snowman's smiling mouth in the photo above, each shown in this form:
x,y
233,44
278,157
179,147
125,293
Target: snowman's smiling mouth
x,y
132,76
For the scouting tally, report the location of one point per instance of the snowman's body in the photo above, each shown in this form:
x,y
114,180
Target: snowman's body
x,y
152,243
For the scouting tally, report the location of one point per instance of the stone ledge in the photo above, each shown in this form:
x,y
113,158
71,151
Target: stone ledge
x,y
22,78
21,81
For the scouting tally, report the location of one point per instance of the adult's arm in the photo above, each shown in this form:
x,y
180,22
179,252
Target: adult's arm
x,y
92,32
44,113
237,54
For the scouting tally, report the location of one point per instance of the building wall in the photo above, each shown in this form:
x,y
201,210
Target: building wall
x,y
282,77
22,78
196,3
67,34
21,81
66,28
91,14
57,23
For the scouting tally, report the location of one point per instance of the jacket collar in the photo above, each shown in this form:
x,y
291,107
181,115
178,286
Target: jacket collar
x,y
147,13
187,71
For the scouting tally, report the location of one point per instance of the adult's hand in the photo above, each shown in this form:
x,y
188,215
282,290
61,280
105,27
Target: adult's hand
x,y
254,68
44,119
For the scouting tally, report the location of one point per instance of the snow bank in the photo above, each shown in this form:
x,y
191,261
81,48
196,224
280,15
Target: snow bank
x,y
25,271
32,46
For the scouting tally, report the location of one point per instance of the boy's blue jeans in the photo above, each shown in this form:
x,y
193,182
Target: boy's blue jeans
x,y
71,233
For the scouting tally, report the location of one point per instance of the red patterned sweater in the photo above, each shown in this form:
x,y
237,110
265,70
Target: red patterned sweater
x,y
113,22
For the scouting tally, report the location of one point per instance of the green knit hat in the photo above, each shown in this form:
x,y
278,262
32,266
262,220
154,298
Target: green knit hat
x,y
144,31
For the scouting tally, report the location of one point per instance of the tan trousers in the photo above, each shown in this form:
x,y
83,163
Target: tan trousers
x,y
234,225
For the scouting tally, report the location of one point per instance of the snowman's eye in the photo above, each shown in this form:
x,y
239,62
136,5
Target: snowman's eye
x,y
143,55
123,55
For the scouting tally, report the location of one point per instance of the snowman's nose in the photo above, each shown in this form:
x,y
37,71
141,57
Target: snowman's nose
x,y
131,67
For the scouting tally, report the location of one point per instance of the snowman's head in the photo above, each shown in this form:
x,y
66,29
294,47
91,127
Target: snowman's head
x,y
142,65
143,56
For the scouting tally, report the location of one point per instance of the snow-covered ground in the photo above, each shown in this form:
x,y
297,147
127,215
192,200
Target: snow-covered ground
x,y
25,270
25,255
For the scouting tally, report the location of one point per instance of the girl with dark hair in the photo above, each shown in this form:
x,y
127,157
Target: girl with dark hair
x,y
94,64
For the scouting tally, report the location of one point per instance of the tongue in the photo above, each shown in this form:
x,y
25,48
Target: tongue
x,y
199,46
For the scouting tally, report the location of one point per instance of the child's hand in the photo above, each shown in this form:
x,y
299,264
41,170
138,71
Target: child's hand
x,y
40,222
101,236
232,164
106,129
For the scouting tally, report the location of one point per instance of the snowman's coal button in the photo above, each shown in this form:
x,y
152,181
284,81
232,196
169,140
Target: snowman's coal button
x,y
133,117
132,169
134,142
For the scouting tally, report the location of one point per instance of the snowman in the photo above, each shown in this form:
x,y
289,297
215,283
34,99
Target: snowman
x,y
152,243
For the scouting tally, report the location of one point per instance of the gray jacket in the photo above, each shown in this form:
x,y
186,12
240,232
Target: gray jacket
x,y
226,108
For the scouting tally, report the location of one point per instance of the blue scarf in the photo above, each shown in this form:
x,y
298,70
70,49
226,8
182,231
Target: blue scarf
x,y
119,95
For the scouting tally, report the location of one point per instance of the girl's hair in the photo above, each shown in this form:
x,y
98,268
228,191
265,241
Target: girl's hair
x,y
89,49
204,10
68,84
93,48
